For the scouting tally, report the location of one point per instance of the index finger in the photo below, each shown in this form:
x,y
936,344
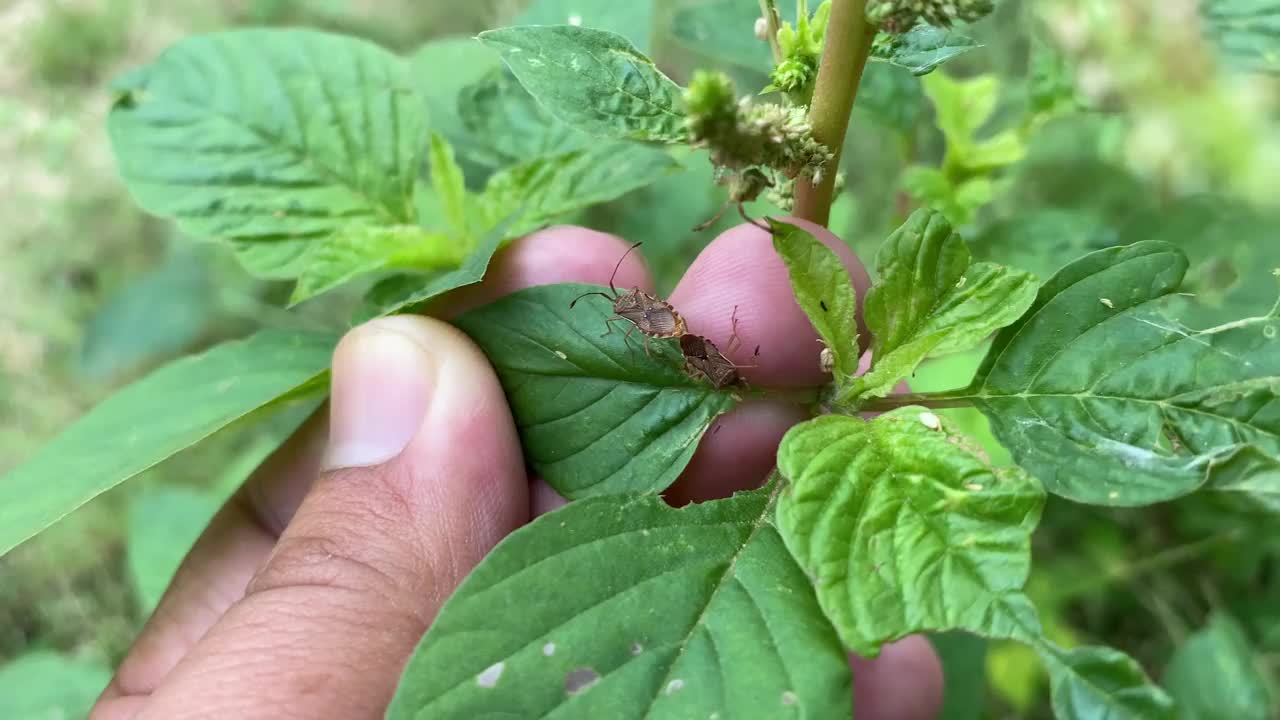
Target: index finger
x,y
740,271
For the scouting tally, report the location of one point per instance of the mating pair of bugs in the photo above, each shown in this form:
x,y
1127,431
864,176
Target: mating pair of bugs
x,y
656,318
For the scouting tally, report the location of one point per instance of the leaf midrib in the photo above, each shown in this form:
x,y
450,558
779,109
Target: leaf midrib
x,y
725,578
270,139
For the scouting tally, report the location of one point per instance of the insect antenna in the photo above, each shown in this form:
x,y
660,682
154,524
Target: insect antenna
x,y
593,292
615,267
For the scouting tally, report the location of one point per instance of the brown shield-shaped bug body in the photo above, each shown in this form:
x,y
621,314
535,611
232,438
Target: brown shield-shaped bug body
x,y
702,358
652,317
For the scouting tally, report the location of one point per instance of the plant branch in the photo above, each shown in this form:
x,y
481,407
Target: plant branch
x,y
844,56
769,11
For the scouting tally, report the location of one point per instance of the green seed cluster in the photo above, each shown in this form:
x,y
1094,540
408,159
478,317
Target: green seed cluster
x,y
741,135
899,16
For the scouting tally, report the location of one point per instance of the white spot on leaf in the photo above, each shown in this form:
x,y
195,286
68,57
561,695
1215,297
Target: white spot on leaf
x,y
974,486
575,20
560,354
788,698
489,677
1107,302
636,648
1269,332
1113,495
549,649
580,680
674,686
930,421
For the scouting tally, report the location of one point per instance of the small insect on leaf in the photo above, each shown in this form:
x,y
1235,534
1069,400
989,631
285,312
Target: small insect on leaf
x,y
646,313
703,359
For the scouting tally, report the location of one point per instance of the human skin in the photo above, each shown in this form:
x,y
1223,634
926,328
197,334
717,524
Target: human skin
x,y
311,587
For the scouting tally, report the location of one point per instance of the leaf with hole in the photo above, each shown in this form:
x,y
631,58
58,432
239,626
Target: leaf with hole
x,y
171,409
931,300
824,291
1102,392
632,609
596,414
594,80
903,528
270,138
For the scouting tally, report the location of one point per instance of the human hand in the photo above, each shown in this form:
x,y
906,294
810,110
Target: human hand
x,y
311,587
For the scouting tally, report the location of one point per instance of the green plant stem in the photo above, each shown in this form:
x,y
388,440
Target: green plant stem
x,y
844,56
769,11
936,401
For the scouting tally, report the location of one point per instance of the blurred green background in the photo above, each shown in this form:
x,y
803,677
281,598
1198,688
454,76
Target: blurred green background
x,y
1081,124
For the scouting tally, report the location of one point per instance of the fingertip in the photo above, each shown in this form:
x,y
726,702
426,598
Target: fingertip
x,y
563,253
737,452
904,683
740,269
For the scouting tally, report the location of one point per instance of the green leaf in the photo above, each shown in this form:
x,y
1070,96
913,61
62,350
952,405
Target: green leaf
x,y
1247,481
595,81
964,672
360,250
824,291
722,29
49,685
404,292
904,529
1104,395
631,19
271,138
1098,682
931,300
449,184
163,525
159,314
892,97
442,69
169,410
595,414
1213,675
543,190
506,126
632,609
964,108
1244,32
922,48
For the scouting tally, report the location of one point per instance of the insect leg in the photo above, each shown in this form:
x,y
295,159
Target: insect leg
x,y
734,340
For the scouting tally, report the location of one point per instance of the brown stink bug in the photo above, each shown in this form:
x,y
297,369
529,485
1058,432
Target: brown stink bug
x,y
646,313
703,358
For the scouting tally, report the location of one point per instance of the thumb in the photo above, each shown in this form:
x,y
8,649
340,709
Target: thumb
x,y
424,475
